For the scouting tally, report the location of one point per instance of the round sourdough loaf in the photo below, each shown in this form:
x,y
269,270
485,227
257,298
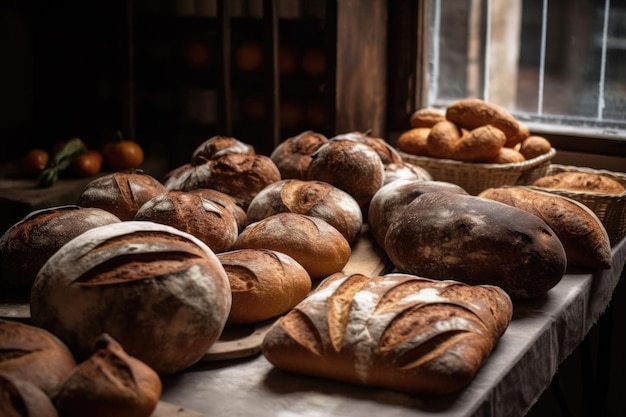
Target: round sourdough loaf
x,y
211,223
225,201
582,234
121,193
392,198
109,383
293,155
312,242
445,235
34,355
160,292
19,398
28,244
264,283
314,198
216,146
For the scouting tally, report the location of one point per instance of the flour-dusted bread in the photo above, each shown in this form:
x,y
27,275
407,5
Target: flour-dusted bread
x,y
225,201
109,383
219,145
28,244
315,244
397,331
582,234
160,292
445,235
293,155
265,283
34,355
581,181
313,198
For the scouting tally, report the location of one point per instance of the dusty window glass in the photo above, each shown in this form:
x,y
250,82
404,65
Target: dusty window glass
x,y
558,65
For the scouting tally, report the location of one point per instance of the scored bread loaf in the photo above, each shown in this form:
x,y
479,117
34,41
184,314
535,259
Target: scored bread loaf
x,y
581,181
396,331
583,236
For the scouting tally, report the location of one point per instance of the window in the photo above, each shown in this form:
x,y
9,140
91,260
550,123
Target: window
x,y
558,65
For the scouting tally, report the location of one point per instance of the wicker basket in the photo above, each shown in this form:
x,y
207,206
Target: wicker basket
x,y
610,208
476,177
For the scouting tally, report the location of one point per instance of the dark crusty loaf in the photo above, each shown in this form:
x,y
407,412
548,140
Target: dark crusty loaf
x,y
396,331
20,398
109,383
445,235
293,155
160,292
32,354
582,234
218,145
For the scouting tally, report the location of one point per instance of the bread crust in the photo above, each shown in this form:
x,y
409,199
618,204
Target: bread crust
x,y
293,155
426,117
581,181
396,331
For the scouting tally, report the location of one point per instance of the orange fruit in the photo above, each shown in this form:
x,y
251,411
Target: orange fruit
x,y
35,161
87,164
123,154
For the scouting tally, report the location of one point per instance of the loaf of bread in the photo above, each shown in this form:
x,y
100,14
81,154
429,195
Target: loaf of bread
x,y
121,192
34,355
350,165
109,383
160,292
442,139
316,245
405,171
238,175
507,156
443,235
211,223
397,331
426,117
293,155
264,283
20,398
225,201
587,182
219,145
414,141
391,199
582,234
313,198
28,244
479,145
534,146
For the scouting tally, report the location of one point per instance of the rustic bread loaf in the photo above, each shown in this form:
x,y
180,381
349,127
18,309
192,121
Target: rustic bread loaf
x,y
211,223
583,236
405,171
426,117
414,141
396,331
534,146
28,244
121,193
225,201
293,155
312,242
264,283
479,145
109,383
445,235
391,199
160,292
34,355
350,165
443,139
219,145
313,198
581,181
238,175
20,398
507,156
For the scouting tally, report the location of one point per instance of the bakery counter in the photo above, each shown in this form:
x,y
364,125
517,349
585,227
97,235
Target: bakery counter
x,y
541,335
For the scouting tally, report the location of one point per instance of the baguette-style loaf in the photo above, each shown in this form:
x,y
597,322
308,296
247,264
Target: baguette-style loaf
x,y
397,331
582,234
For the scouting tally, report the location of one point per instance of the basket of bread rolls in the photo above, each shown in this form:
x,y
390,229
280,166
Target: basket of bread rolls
x,y
474,144
603,191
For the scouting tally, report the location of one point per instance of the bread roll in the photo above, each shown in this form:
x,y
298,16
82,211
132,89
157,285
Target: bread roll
x,y
479,145
443,139
445,235
396,331
470,113
264,283
313,198
28,244
587,182
583,236
218,145
349,165
34,355
240,176
211,223
391,199
293,156
507,156
160,292
121,193
414,141
426,117
19,398
109,383
534,146
312,242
